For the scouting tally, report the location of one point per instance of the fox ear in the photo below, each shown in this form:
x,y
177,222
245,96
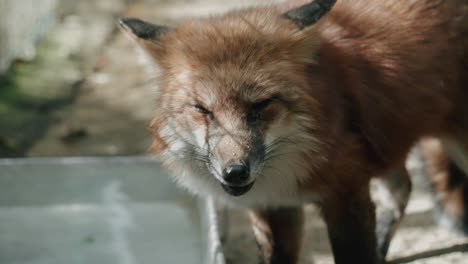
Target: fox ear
x,y
143,30
146,34
309,14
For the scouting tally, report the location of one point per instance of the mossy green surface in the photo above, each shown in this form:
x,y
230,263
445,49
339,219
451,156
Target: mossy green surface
x,y
29,91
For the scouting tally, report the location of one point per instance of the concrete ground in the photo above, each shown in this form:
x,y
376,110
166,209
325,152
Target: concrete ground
x,y
114,104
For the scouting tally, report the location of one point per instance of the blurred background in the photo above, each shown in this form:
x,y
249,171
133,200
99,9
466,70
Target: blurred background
x,y
72,84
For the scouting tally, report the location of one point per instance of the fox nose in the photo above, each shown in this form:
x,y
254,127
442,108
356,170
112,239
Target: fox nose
x,y
236,174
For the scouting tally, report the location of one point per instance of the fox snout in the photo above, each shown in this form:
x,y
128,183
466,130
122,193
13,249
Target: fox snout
x,y
236,174
235,161
236,177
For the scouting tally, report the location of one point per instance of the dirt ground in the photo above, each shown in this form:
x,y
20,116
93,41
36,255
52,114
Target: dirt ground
x,y
113,105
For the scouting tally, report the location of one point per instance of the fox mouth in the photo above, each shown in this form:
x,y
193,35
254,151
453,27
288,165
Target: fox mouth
x,y
237,190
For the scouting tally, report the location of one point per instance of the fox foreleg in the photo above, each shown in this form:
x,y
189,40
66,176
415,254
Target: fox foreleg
x,y
350,220
279,234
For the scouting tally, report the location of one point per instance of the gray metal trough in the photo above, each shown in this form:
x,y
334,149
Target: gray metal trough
x,y
119,210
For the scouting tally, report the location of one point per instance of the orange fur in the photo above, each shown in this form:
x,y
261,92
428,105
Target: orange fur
x,y
359,88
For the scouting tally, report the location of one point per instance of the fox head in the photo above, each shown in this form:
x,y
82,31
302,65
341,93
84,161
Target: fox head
x,y
235,117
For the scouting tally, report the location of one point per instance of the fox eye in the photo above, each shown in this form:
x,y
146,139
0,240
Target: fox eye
x,y
202,110
257,112
259,106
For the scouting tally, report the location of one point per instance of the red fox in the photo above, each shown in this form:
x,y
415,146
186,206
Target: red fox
x,y
270,108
